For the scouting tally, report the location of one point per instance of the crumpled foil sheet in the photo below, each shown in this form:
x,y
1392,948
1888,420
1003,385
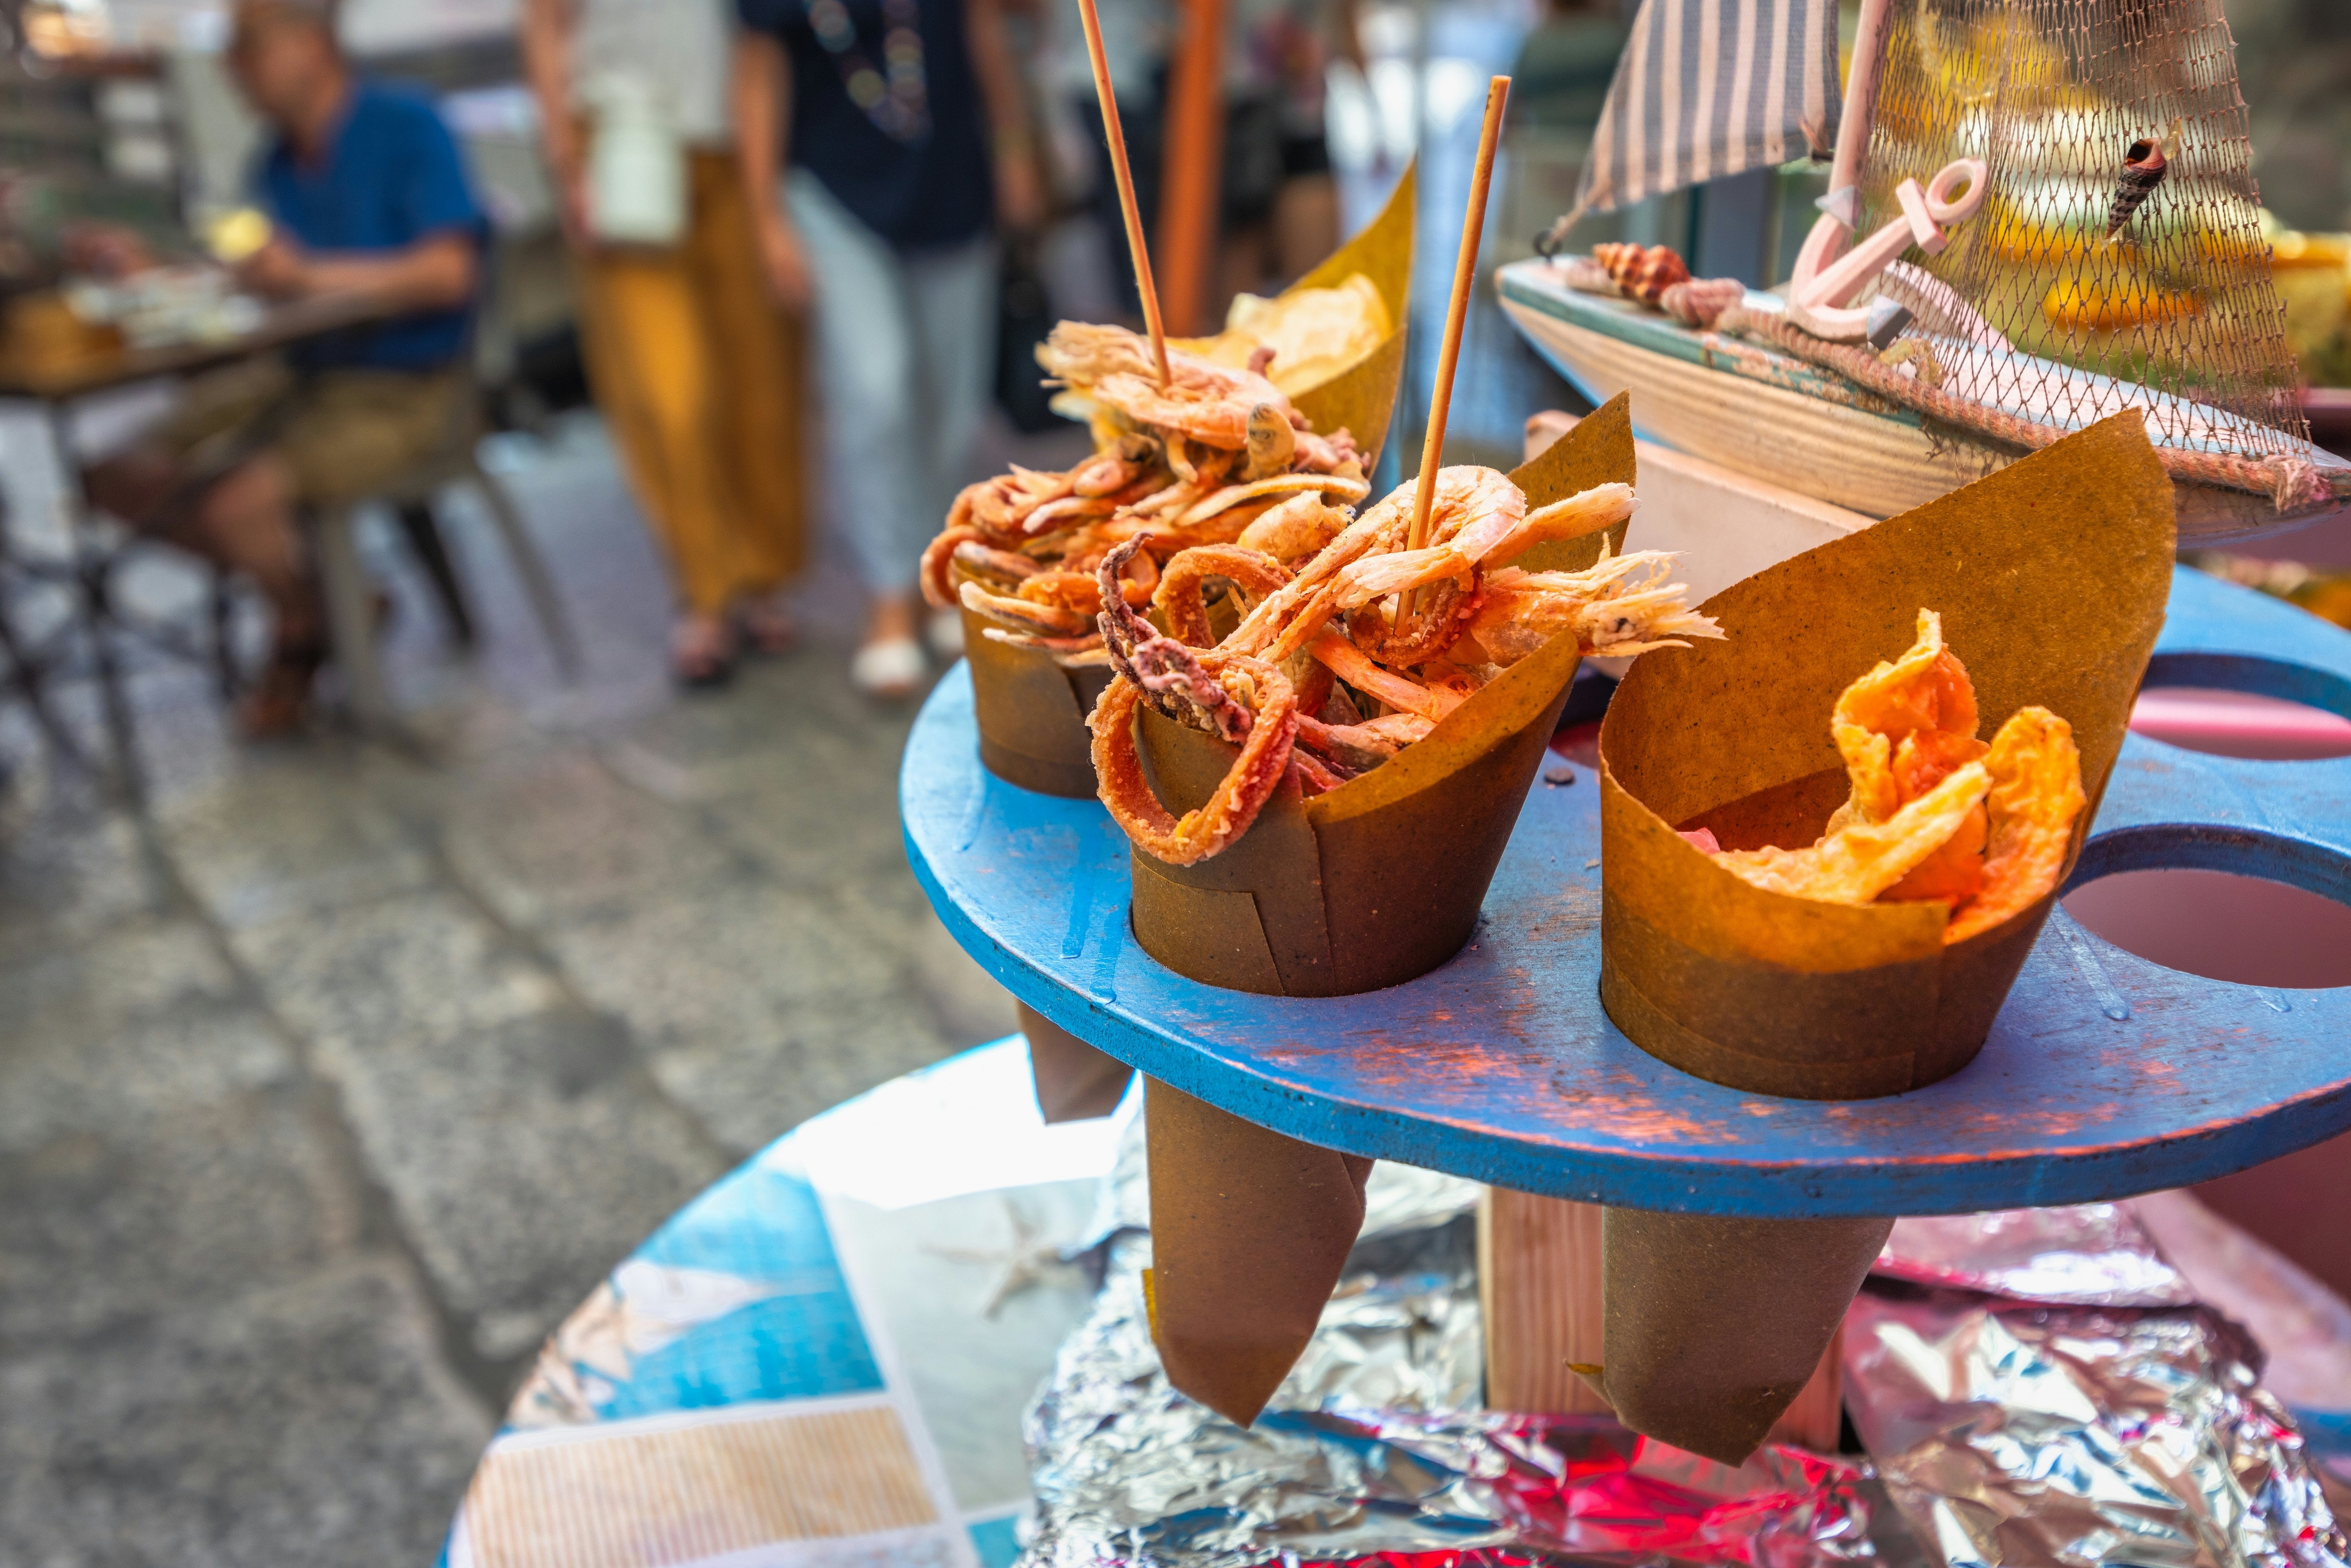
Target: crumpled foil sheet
x,y
1374,1448
2035,1387
2012,1434
2087,1254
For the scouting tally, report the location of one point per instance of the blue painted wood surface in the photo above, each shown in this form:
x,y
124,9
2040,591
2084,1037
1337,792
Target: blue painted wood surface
x,y
2105,1076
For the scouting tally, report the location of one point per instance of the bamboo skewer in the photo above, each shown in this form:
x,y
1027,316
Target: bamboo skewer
x,y
1448,352
1116,137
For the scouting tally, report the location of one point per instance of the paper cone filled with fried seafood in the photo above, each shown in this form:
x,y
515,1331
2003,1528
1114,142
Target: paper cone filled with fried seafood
x,y
1292,399
1828,844
1317,799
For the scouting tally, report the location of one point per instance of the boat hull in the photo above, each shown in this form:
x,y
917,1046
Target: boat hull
x,y
1781,419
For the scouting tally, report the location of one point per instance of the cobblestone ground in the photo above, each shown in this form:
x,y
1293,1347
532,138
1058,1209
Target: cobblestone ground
x,y
332,1080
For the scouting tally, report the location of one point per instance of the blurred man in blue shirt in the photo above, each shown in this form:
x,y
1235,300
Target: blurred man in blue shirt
x,y
369,198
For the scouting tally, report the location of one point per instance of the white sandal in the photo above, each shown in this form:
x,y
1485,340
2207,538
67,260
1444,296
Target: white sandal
x,y
892,667
944,632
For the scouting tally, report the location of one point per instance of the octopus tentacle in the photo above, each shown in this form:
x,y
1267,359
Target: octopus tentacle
x,y
1263,761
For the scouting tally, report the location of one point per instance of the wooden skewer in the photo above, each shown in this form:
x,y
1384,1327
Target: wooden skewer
x,y
1116,137
1448,352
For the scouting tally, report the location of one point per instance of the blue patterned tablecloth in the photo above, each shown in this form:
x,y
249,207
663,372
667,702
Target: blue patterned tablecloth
x,y
824,1358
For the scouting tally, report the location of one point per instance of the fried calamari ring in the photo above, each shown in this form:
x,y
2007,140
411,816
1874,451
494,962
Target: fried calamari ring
x,y
1178,599
1251,780
938,588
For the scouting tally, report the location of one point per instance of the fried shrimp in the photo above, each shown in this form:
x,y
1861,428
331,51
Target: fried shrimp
x,y
1359,626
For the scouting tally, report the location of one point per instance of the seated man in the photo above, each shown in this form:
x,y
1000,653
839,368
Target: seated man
x,y
368,197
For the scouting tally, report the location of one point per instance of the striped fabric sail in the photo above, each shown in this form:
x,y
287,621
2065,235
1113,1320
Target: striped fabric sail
x,y
1707,89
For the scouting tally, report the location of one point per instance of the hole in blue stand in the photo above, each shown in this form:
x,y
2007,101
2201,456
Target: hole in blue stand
x,y
2239,706
2225,905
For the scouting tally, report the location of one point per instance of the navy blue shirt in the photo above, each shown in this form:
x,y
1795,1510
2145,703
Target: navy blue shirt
x,y
933,192
392,177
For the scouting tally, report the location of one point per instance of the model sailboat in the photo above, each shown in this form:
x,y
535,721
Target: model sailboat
x,y
2041,213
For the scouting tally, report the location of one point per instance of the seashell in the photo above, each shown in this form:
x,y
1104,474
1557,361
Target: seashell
x,y
1584,273
2145,164
1699,302
1641,274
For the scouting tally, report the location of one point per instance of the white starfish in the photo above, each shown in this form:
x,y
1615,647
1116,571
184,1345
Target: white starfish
x,y
1028,1263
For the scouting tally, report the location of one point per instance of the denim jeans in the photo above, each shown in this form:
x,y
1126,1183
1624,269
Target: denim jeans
x,y
905,359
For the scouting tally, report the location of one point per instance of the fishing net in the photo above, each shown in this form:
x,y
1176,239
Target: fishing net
x,y
2093,281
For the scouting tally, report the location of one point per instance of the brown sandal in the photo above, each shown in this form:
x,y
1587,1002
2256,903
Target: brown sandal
x,y
280,699
700,660
766,631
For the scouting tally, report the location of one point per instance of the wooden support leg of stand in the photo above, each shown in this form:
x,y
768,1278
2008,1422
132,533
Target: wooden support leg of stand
x,y
1074,1082
1539,1283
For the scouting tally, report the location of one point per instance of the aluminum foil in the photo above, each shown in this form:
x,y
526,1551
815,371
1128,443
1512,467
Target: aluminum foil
x,y
2034,1387
1374,1448
2089,1254
2012,1434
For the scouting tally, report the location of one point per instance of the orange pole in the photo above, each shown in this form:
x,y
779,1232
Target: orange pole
x,y
1192,165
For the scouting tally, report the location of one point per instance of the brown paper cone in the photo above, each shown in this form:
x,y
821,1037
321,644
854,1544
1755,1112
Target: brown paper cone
x,y
1075,1081
1031,712
1380,880
1693,1355
2050,577
1366,886
1248,1232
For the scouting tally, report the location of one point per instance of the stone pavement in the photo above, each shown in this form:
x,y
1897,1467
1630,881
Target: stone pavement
x,y
330,1082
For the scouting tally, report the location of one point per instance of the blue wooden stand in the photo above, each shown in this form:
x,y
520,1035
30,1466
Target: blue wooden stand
x,y
2105,1076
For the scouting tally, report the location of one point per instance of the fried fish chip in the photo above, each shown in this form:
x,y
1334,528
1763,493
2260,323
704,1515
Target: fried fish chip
x,y
1855,864
1935,815
1925,692
2036,794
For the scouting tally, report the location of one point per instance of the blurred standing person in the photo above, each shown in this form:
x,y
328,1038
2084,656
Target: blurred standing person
x,y
881,141
691,360
1280,203
1135,48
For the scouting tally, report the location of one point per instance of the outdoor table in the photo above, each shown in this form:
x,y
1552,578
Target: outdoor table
x,y
825,1356
87,569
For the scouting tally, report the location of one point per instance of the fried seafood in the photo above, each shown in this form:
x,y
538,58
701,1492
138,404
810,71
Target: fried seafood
x,y
1198,463
1179,599
1296,529
1111,368
1934,815
1369,646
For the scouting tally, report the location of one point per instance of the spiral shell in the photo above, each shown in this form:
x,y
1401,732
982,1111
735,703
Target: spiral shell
x,y
1641,274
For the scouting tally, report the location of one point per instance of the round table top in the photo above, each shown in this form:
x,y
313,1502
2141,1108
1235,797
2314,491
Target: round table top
x,y
2106,1075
